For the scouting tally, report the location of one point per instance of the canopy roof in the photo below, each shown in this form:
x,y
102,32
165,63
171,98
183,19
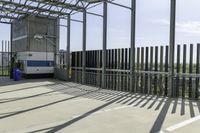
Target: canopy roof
x,y
15,9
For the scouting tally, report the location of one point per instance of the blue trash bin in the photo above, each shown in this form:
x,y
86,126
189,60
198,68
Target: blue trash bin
x,y
16,74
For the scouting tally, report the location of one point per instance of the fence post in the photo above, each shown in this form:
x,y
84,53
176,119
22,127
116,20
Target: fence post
x,y
161,70
171,47
142,69
138,69
156,69
122,68
166,69
5,56
112,67
190,71
68,45
178,71
151,69
125,67
184,70
11,52
197,72
105,6
9,57
146,69
132,50
56,46
84,45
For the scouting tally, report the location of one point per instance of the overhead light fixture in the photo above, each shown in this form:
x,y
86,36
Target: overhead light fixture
x,y
37,36
92,1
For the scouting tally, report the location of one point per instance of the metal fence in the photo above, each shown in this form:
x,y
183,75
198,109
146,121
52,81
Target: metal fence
x,y
5,58
151,70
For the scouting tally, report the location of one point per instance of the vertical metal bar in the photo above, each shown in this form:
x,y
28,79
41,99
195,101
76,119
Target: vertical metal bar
x,y
72,65
156,69
8,58
76,65
146,69
161,70
197,72
80,64
138,69
184,70
178,70
56,47
118,67
73,59
142,69
84,45
88,64
115,67
101,66
132,48
151,69
107,64
5,69
171,46
11,52
122,68
126,67
68,45
190,71
98,66
129,68
60,59
2,58
105,6
95,66
112,66
166,69
87,58
109,67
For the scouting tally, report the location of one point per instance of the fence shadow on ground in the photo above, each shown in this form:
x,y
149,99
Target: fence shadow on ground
x,y
157,103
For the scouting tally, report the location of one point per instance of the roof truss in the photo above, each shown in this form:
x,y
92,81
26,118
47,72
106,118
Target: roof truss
x,y
15,9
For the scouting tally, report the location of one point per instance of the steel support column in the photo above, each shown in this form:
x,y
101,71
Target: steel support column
x,y
68,46
84,46
172,46
105,7
56,46
132,58
11,52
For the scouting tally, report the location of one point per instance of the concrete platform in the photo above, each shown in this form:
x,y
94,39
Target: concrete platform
x,y
47,105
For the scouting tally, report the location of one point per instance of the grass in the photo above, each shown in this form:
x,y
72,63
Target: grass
x,y
5,71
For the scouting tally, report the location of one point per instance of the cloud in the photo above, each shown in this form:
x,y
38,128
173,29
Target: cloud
x,y
160,21
189,27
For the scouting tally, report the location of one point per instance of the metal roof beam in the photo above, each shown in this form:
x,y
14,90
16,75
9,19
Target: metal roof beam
x,y
29,7
60,4
8,17
4,22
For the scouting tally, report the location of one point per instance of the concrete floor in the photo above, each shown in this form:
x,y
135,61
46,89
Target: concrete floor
x,y
53,106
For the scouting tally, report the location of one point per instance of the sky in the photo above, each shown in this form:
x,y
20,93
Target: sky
x,y
152,25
